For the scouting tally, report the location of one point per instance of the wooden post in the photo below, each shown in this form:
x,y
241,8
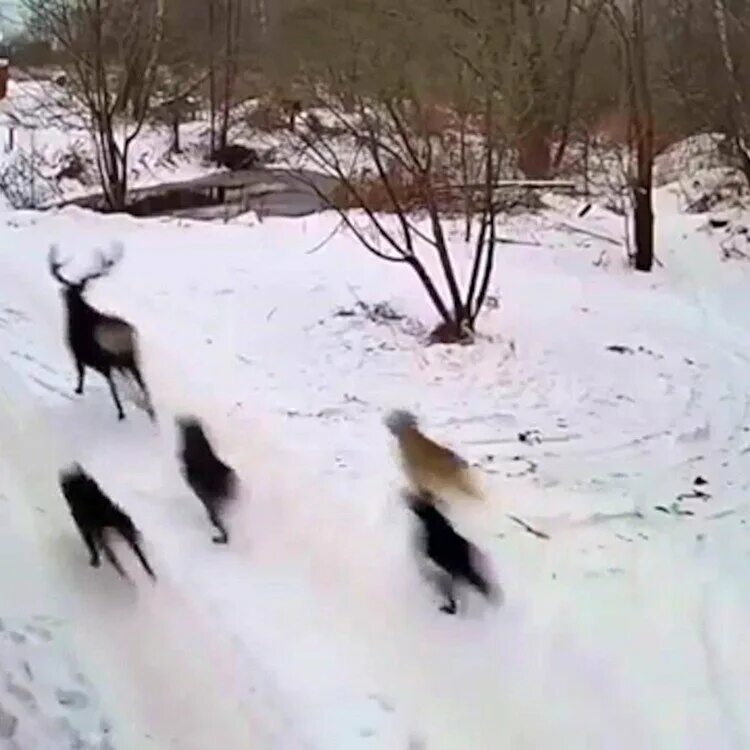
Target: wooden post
x,y
4,69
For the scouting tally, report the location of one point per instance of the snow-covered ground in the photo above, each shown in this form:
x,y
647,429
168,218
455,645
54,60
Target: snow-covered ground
x,y
47,155
625,628
41,135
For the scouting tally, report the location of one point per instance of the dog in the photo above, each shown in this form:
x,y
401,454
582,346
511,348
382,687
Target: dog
x,y
455,557
209,477
95,514
428,465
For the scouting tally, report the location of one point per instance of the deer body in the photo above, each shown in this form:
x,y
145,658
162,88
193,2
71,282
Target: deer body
x,y
102,342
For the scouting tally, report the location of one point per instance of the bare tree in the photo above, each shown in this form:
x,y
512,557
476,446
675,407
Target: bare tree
x,y
110,51
571,50
738,119
631,27
409,179
547,42
393,105
181,71
223,43
232,26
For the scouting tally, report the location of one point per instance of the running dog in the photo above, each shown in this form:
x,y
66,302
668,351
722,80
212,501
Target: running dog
x,y
455,557
209,477
95,515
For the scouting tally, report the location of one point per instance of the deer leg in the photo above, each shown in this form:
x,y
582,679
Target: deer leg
x,y
142,385
113,391
81,369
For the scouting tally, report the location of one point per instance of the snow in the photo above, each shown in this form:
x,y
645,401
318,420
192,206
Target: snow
x,y
44,134
48,131
313,628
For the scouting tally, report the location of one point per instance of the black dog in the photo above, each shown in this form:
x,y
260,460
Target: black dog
x,y
211,479
445,547
94,514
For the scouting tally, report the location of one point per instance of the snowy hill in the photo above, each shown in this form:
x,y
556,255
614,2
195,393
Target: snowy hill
x,y
313,628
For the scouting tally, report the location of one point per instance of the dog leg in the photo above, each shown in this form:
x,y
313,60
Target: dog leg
x,y
81,370
446,588
475,579
111,557
90,541
477,575
139,554
223,537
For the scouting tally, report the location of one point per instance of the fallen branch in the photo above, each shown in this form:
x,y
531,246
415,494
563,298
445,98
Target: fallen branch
x,y
535,532
722,514
511,241
597,518
510,184
327,239
538,440
590,233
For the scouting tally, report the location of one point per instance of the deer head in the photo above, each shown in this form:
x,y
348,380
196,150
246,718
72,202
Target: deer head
x,y
103,266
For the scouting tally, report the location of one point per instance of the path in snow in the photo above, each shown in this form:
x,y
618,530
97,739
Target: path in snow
x,y
619,630
168,679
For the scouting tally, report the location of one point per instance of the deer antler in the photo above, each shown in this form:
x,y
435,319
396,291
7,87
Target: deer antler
x,y
105,263
55,264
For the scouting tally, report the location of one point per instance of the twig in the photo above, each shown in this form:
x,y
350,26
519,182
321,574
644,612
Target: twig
x,y
530,529
595,235
597,518
511,241
539,440
721,514
509,184
599,262
494,441
328,238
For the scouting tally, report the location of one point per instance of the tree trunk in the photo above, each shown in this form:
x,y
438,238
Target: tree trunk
x,y
534,157
176,146
212,75
230,67
643,215
744,159
737,119
643,228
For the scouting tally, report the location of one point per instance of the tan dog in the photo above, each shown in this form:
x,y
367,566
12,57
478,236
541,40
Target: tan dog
x,y
428,465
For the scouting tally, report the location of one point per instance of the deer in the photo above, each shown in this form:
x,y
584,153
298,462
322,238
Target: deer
x,y
104,343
